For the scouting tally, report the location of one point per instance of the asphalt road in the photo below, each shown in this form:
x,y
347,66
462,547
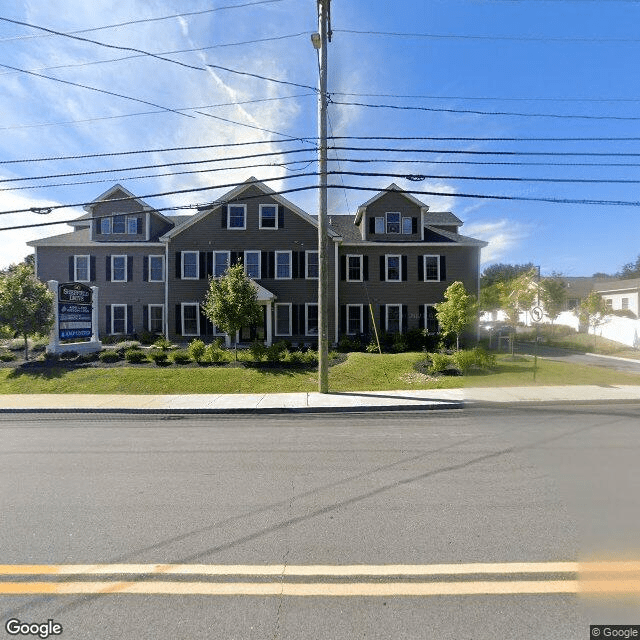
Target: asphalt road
x,y
548,484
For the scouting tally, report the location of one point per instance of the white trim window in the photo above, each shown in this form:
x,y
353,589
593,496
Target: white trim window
x,y
354,319
407,226
430,319
105,226
155,318
190,265
393,221
237,216
118,268
156,268
283,318
118,319
379,225
431,268
221,261
252,264
311,318
354,268
393,268
393,321
190,318
312,265
268,216
132,225
283,265
119,224
624,303
81,269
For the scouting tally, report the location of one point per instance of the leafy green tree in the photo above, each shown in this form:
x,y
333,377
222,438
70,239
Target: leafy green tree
x,y
553,293
517,295
630,270
592,312
490,298
26,304
500,272
231,302
457,312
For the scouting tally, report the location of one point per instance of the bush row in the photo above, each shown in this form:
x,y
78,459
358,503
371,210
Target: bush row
x,y
463,360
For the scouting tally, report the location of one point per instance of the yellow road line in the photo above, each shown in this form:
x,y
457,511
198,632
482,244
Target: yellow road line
x,y
297,570
295,589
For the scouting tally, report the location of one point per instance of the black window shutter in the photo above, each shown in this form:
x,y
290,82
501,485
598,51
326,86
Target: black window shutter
x,y
108,269
343,319
383,319
129,319
264,265
422,320
301,264
294,265
178,320
202,266
372,226
414,225
178,264
234,257
365,268
209,263
138,225
206,326
108,318
145,317
272,264
223,216
129,260
404,268
98,226
145,269
405,318
343,267
443,269
382,273
280,216
365,319
71,273
294,319
420,268
92,268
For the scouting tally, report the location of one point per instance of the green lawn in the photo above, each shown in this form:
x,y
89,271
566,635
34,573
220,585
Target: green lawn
x,y
361,372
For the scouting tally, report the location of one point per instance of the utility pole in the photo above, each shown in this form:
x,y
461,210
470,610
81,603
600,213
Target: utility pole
x,y
320,43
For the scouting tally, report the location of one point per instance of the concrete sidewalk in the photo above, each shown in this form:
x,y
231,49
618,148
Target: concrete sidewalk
x,y
356,401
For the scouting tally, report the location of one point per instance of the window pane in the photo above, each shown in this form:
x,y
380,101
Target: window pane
x,y
282,319
406,225
379,225
190,264
312,319
190,319
118,224
393,267
156,319
269,216
132,225
393,222
312,264
118,269
354,268
221,263
105,226
431,268
156,270
236,217
353,319
119,318
393,318
82,268
283,265
252,264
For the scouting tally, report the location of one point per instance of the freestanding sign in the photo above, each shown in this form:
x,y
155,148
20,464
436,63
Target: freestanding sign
x,y
76,317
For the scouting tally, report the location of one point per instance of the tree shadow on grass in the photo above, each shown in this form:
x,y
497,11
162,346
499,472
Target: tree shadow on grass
x,y
37,370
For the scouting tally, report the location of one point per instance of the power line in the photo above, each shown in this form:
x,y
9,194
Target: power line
x,y
142,20
490,153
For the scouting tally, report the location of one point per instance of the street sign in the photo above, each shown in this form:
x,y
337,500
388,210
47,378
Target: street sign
x,y
536,314
74,310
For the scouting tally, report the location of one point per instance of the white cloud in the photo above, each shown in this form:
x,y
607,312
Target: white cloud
x,y
503,237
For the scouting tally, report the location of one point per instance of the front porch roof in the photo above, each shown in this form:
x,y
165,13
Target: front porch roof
x,y
264,295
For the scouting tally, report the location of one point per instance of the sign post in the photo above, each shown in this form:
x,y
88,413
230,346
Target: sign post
x,y
536,315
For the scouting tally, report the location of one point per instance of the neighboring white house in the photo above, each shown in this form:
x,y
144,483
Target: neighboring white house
x,y
620,294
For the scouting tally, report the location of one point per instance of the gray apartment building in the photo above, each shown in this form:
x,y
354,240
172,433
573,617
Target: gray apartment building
x,y
394,257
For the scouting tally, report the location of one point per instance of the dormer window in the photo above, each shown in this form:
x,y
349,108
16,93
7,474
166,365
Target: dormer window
x,y
268,216
379,225
132,225
119,224
237,216
105,226
393,222
407,226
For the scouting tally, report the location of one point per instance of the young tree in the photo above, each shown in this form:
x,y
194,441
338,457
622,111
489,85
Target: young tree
x,y
26,304
517,295
553,293
592,312
457,312
231,302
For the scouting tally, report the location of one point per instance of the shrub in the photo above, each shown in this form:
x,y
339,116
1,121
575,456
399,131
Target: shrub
x,y
160,358
258,351
181,357
162,343
439,361
135,356
69,355
415,339
464,360
400,343
109,356
215,353
123,345
277,351
50,357
147,338
90,356
5,356
197,350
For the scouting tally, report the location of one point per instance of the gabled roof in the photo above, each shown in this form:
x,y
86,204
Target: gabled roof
x,y
443,217
458,238
235,194
612,285
79,236
392,187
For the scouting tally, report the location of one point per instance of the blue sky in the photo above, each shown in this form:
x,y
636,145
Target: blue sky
x,y
440,61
